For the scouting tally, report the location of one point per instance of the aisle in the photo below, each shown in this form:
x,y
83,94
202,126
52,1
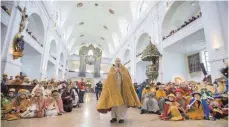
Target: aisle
x,y
87,116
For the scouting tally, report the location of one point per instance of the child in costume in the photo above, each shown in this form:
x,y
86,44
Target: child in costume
x,y
67,97
197,108
18,106
37,105
174,109
149,104
161,95
11,95
51,107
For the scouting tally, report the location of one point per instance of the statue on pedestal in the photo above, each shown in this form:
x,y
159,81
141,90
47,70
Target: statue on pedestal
x,y
18,42
152,54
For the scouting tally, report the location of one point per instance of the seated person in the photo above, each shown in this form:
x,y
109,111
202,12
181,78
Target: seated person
x,y
18,106
17,80
174,111
197,108
51,107
37,105
215,109
26,81
49,89
67,97
40,86
180,98
10,81
75,102
150,103
11,95
161,95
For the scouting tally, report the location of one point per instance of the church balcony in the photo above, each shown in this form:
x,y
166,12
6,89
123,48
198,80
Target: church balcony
x,y
52,59
183,32
32,42
5,18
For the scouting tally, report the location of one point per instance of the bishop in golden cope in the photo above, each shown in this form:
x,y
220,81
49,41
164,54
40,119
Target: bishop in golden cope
x,y
118,93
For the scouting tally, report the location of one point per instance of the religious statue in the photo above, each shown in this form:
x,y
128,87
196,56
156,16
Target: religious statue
x,y
151,54
18,42
18,46
24,19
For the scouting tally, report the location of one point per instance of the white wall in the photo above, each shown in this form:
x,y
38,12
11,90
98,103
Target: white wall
x,y
3,34
30,65
174,64
50,70
140,71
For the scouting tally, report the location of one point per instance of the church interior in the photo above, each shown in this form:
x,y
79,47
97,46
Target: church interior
x,y
58,59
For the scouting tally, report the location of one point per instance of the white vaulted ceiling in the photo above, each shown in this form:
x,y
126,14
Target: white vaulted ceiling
x,y
101,23
91,22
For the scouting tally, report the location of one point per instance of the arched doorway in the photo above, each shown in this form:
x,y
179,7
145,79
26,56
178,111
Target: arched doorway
x,y
31,60
142,43
51,68
35,28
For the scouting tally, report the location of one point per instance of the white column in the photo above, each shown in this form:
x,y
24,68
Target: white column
x,y
133,58
45,56
214,36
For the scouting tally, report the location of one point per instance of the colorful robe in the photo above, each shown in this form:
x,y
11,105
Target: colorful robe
x,y
111,94
198,111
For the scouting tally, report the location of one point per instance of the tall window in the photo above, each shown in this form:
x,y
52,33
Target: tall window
x,y
206,61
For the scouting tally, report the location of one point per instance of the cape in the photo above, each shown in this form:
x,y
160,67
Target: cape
x,y
111,95
205,107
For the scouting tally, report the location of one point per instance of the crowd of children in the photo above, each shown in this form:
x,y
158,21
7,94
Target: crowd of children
x,y
185,100
49,98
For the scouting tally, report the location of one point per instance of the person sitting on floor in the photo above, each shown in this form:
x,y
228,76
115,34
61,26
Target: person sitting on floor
x,y
174,109
150,103
161,95
67,97
37,105
51,107
197,108
11,95
17,107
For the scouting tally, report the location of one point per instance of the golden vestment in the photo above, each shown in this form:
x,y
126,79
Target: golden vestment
x,y
111,95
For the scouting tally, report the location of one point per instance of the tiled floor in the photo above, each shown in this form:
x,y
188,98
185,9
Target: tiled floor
x,y
87,116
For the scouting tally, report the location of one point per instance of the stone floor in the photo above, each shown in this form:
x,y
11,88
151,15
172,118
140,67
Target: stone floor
x,y
87,116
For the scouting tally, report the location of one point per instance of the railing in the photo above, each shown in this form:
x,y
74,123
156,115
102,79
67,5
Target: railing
x,y
30,33
186,23
139,54
184,32
32,42
127,62
5,17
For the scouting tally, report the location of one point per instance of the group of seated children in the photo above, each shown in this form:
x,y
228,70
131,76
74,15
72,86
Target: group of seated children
x,y
56,99
188,100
